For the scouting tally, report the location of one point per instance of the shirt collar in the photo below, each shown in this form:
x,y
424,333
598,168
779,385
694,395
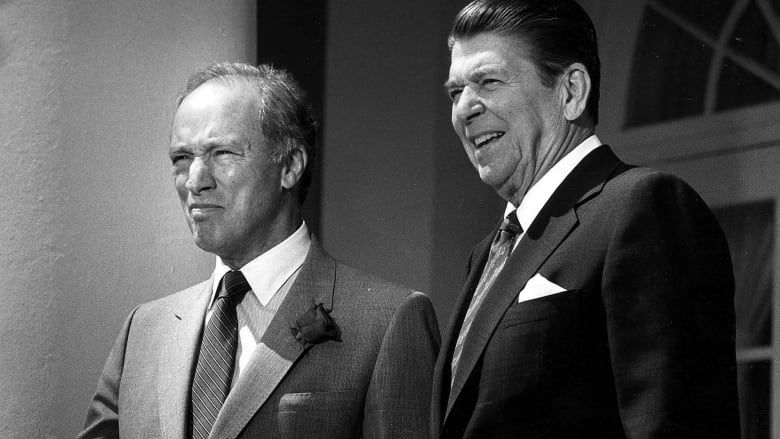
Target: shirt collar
x,y
269,271
541,192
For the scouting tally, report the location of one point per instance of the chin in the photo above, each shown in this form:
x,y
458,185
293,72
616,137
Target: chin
x,y
206,247
489,177
206,242
500,183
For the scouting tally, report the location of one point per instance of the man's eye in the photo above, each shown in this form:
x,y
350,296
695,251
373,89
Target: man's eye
x,y
489,83
454,93
176,159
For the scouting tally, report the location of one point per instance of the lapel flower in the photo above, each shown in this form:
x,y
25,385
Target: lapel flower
x,y
315,326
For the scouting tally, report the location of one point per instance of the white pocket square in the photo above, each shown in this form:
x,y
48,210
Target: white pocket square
x,y
538,286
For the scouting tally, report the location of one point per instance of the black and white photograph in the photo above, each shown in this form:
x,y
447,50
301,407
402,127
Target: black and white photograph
x,y
444,219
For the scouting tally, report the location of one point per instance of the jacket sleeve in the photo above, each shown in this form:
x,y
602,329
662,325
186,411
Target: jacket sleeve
x,y
668,295
103,413
399,394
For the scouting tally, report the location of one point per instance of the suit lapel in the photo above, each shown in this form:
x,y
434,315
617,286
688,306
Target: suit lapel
x,y
525,260
278,350
554,223
177,360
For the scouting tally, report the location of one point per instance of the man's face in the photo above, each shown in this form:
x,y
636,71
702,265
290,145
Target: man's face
x,y
229,186
509,122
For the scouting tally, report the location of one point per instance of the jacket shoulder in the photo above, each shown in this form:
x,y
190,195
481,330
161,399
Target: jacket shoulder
x,y
172,301
636,185
364,286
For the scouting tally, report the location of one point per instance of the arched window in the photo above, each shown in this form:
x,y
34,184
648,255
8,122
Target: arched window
x,y
710,55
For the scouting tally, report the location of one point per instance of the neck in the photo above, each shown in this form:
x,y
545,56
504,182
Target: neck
x,y
573,137
281,228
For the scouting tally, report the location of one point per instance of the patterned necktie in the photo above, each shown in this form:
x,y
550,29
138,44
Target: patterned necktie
x,y
214,370
499,253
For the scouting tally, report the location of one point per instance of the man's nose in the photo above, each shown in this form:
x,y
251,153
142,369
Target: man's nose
x,y
200,176
469,105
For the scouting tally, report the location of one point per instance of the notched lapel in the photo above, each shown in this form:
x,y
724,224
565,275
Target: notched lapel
x,y
531,252
177,361
278,350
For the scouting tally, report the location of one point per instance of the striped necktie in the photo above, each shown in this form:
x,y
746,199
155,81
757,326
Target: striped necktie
x,y
214,370
500,250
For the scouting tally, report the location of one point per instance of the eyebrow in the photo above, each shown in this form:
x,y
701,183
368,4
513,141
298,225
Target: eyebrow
x,y
227,140
449,84
210,144
473,76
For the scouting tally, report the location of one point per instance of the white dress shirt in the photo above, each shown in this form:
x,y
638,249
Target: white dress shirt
x,y
540,193
270,276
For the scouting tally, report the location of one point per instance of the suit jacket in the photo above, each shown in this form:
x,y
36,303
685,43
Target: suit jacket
x,y
375,383
639,345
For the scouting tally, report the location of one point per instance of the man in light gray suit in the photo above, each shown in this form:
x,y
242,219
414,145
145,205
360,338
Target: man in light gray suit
x,y
282,340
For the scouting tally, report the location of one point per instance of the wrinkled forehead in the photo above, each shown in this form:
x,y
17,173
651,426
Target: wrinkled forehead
x,y
517,41
219,97
486,52
214,108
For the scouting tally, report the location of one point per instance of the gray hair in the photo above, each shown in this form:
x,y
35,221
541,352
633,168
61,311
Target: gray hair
x,y
283,113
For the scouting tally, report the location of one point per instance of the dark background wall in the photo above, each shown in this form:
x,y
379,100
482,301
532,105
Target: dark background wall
x,y
293,35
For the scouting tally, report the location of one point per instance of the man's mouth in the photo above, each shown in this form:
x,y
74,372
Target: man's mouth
x,y
198,210
203,206
484,139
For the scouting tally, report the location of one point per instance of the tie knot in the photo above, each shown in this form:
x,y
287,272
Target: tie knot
x,y
235,284
511,224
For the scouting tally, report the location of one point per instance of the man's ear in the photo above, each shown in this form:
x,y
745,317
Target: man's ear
x,y
295,165
575,87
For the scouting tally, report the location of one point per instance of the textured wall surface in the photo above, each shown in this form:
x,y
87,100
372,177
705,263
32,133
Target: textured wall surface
x,y
31,248
91,225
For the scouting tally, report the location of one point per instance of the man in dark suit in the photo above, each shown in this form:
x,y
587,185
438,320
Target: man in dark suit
x,y
602,306
283,341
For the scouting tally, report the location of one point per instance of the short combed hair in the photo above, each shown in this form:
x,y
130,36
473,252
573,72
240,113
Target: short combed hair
x,y
557,33
283,113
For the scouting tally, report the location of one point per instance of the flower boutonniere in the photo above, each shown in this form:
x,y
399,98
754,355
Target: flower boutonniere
x,y
315,326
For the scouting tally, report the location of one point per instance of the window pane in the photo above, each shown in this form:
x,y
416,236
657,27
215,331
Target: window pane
x,y
753,37
738,88
753,380
709,15
668,76
749,229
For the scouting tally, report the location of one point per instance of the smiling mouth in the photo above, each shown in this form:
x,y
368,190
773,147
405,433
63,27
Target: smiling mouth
x,y
484,139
